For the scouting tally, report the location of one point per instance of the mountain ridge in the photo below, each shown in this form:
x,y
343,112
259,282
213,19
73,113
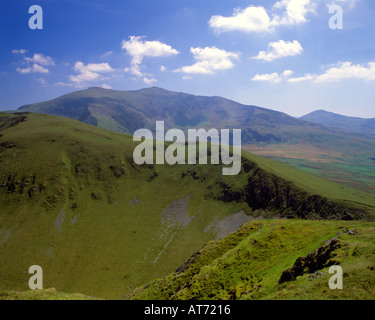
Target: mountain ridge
x,y
263,131
126,111
342,122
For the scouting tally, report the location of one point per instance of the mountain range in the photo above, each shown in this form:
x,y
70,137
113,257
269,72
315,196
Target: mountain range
x,y
344,157
338,121
127,111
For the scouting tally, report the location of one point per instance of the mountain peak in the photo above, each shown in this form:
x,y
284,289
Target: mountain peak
x,y
156,91
316,112
97,88
321,111
338,121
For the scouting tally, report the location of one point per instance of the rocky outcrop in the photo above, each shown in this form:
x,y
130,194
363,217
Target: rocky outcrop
x,y
266,191
11,120
318,259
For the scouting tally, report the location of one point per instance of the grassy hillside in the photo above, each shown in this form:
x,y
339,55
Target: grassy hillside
x,y
46,294
73,201
249,263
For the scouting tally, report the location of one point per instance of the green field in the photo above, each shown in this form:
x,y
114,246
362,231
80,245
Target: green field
x,y
346,164
46,294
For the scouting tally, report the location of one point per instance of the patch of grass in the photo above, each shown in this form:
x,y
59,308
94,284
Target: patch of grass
x,y
47,294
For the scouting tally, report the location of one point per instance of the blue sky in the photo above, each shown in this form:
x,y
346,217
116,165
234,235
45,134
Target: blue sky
x,y
280,55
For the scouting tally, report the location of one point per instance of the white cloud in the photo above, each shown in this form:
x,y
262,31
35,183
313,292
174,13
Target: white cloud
x,y
280,49
339,72
106,86
63,84
209,61
35,64
19,51
163,68
257,19
89,72
273,77
138,49
41,59
268,77
251,19
39,69
292,12
347,70
287,73
24,70
306,77
107,54
149,81
349,3
35,68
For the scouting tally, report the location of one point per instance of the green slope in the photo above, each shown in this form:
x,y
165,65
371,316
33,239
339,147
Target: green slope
x,y
248,264
73,202
311,182
46,294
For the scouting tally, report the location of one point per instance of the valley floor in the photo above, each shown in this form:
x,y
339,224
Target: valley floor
x,y
351,168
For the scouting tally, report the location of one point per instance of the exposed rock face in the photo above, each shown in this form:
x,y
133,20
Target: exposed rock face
x,y
12,120
314,261
230,223
266,191
177,214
